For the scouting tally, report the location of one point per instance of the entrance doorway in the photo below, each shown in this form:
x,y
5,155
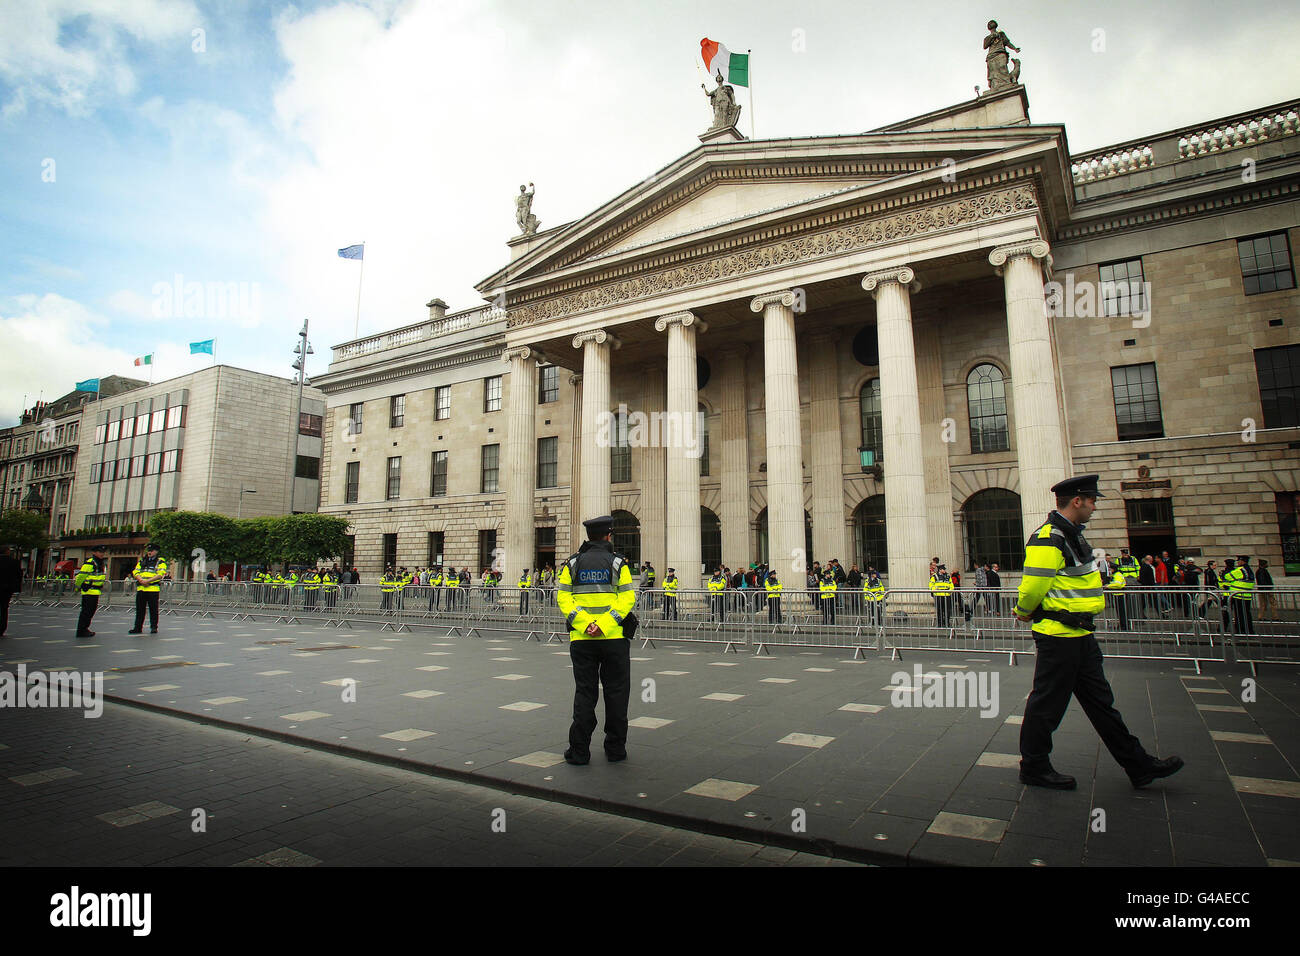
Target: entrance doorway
x,y
1151,527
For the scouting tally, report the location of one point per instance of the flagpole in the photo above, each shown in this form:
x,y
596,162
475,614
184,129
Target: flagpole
x,y
356,328
750,55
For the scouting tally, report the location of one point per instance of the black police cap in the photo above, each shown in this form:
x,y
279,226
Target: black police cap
x,y
599,526
1085,485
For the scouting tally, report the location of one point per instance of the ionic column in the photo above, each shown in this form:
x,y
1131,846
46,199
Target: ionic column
x,y
1040,440
736,552
520,463
934,449
648,459
829,538
594,498
785,524
683,485
900,416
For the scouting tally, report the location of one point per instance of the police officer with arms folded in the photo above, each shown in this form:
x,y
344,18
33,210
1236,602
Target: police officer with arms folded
x,y
149,572
596,595
90,580
1060,593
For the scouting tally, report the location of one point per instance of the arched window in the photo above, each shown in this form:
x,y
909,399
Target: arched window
x,y
873,434
873,545
627,536
620,455
986,401
994,531
704,440
710,540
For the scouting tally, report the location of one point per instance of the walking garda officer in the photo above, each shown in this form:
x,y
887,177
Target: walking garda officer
x,y
595,593
773,588
90,579
670,595
149,572
1061,592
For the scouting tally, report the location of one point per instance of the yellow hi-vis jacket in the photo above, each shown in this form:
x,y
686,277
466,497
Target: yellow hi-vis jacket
x,y
670,586
152,573
772,587
716,585
90,577
1237,585
940,588
828,589
603,592
875,592
525,581
1060,576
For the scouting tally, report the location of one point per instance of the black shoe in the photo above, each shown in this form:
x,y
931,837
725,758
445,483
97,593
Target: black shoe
x,y
1049,779
1157,769
615,757
153,630
135,630
578,760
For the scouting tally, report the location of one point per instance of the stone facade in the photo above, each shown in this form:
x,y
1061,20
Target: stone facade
x,y
771,283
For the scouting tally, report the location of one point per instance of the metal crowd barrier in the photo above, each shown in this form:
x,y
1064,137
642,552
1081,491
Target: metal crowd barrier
x,y
1266,629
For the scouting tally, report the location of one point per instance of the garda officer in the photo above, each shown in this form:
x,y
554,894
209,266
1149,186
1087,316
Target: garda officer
x,y
310,587
387,585
1239,584
1061,592
773,588
596,594
90,579
149,572
941,588
525,582
875,594
1118,581
453,586
716,584
435,585
670,595
649,588
330,585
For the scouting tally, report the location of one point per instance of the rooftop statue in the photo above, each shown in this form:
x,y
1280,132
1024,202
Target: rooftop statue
x,y
997,43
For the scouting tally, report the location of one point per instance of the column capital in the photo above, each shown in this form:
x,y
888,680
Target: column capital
x,y
525,352
1032,248
785,297
685,319
904,275
599,336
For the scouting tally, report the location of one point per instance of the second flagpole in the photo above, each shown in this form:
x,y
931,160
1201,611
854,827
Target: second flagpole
x,y
356,328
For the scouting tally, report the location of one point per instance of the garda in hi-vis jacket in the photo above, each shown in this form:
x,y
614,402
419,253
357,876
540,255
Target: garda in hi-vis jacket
x,y
1061,589
152,570
90,577
595,585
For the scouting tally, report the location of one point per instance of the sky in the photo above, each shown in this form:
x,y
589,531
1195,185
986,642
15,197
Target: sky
x,y
173,171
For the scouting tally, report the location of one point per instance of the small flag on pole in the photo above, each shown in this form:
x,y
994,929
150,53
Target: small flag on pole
x,y
197,347
734,67
145,359
89,385
353,252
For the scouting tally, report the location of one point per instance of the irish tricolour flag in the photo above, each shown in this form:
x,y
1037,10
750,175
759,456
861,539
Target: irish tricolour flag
x,y
734,67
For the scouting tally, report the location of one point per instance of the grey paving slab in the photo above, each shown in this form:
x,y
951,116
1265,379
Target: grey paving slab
x,y
906,764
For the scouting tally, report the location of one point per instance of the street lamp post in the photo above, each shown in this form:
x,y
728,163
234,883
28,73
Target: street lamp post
x,y
239,514
301,350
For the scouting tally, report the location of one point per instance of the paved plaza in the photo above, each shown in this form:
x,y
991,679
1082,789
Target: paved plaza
x,y
804,752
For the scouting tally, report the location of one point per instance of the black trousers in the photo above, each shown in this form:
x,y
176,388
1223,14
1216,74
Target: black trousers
x,y
146,599
942,610
89,602
828,610
1065,666
523,601
1242,621
4,610
1121,608
609,662
670,607
774,610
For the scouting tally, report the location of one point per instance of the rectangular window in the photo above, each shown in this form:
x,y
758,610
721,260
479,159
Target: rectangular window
x,y
442,402
548,384
545,548
1121,288
307,467
142,424
397,411
394,478
490,471
124,468
309,424
1278,372
171,460
356,412
435,549
438,471
349,550
153,463
548,450
100,430
390,551
1137,402
1265,263
492,394
157,419
110,471
137,465
487,545
1288,510
72,431
128,427
352,483
94,473
176,416
114,428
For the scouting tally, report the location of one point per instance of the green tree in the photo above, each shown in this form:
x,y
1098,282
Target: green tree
x,y
25,530
251,542
306,538
194,540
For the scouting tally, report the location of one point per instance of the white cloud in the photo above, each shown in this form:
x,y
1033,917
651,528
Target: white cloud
x,y
76,76
130,303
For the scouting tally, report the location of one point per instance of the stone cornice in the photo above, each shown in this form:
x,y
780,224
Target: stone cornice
x,y
824,243
342,381
1175,211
